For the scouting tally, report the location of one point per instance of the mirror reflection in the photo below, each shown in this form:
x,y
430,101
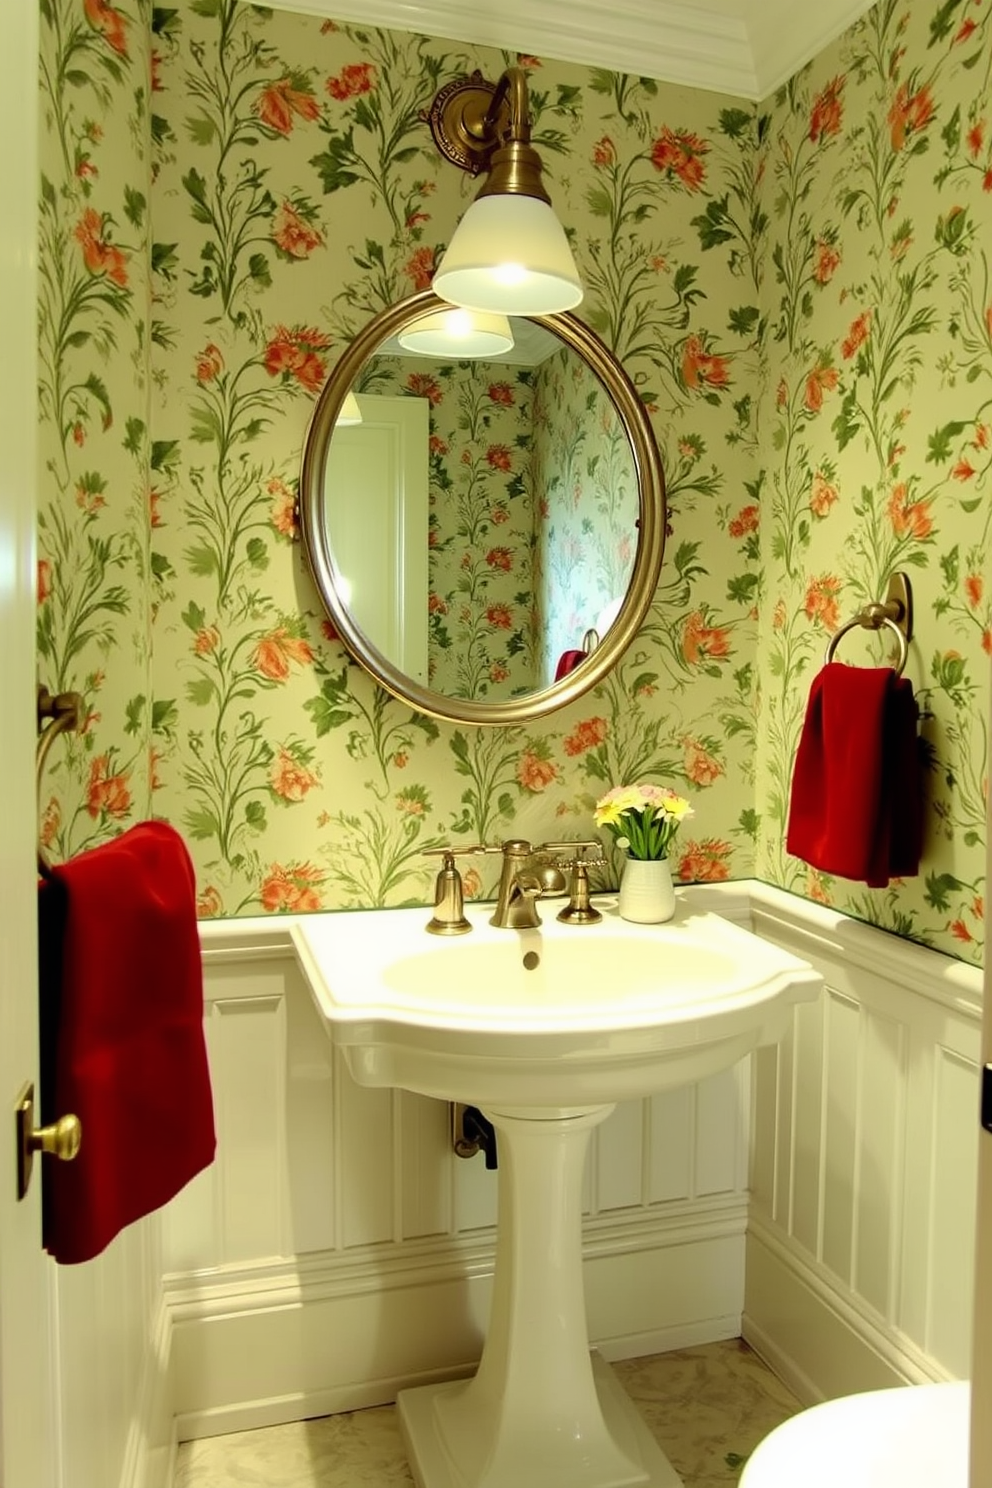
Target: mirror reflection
x,y
486,530
483,514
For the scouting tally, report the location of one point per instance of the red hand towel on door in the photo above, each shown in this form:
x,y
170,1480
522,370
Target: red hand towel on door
x,y
122,1036
856,809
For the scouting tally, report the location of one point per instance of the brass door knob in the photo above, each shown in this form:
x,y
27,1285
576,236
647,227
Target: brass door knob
x,y
62,1139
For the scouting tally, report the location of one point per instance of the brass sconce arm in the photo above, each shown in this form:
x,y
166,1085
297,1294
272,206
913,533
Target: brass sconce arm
x,y
482,126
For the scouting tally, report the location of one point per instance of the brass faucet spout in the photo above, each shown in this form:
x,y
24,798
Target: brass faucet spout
x,y
527,874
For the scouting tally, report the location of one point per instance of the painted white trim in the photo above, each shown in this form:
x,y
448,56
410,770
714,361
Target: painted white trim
x,y
745,51
322,1276
649,38
150,1450
769,911
233,940
779,916
241,1332
781,43
825,1317
240,1336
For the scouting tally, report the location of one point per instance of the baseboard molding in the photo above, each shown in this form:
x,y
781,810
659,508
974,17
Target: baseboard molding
x,y
817,1336
150,1450
274,1343
282,1339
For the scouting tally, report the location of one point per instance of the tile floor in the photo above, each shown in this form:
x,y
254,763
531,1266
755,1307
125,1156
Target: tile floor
x,y
708,1406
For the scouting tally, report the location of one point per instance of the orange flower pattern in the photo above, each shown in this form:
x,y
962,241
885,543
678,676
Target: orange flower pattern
x,y
588,734
805,322
827,112
99,256
909,112
293,233
274,653
353,80
702,642
297,353
820,604
292,888
705,861
289,778
279,105
680,154
109,22
107,793
700,368
823,379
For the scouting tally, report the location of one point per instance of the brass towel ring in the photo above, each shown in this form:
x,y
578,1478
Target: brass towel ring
x,y
873,624
65,710
896,612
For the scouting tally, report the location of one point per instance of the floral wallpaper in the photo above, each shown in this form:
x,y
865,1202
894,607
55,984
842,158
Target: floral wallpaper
x,y
533,506
298,192
876,422
94,571
481,601
799,292
588,538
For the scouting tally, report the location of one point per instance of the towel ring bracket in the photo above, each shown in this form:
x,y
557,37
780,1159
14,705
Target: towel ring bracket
x,y
65,710
895,613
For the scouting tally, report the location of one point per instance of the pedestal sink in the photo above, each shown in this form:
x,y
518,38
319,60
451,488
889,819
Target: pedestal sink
x,y
545,1030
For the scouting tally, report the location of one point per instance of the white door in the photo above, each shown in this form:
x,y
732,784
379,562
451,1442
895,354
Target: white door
x,y
27,1446
376,490
981,1373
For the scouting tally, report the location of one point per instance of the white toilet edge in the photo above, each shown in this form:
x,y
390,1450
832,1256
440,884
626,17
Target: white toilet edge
x,y
916,1436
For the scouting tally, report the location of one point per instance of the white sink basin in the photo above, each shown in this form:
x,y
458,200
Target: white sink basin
x,y
545,1029
560,1016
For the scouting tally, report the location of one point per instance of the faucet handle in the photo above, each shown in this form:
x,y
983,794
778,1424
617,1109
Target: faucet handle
x,y
579,910
449,901
449,896
576,845
455,852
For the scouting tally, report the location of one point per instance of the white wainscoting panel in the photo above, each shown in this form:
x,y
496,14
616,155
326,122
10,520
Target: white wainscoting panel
x,y
338,1249
114,1409
864,1161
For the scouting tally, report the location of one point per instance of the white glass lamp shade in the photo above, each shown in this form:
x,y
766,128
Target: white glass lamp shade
x,y
458,333
350,411
509,254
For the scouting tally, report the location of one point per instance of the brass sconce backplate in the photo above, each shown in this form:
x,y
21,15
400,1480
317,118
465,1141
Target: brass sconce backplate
x,y
457,119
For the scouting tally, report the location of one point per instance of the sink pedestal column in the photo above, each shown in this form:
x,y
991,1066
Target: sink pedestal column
x,y
540,1411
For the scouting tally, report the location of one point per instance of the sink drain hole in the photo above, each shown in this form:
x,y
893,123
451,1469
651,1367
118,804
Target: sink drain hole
x,y
531,959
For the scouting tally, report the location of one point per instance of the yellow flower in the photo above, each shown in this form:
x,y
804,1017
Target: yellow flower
x,y
642,818
613,805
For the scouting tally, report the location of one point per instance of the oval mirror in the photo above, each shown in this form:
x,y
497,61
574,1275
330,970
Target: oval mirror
x,y
485,531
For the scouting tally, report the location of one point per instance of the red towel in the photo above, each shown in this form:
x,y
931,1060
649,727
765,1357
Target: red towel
x,y
122,1036
567,662
856,807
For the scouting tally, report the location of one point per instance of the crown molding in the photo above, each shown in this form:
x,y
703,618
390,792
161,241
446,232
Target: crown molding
x,y
677,43
747,48
780,46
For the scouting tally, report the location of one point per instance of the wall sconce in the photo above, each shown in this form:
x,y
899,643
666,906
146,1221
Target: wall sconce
x,y
509,253
350,411
458,334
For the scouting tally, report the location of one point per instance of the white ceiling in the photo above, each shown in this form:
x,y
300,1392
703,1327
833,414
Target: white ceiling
x,y
744,47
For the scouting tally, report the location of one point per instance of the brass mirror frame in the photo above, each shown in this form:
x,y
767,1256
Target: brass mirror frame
x,y
630,410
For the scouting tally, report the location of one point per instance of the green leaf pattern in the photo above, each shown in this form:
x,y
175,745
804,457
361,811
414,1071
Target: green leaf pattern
x,y
801,294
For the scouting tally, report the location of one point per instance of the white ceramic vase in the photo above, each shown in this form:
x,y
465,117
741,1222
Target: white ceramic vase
x,y
647,894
